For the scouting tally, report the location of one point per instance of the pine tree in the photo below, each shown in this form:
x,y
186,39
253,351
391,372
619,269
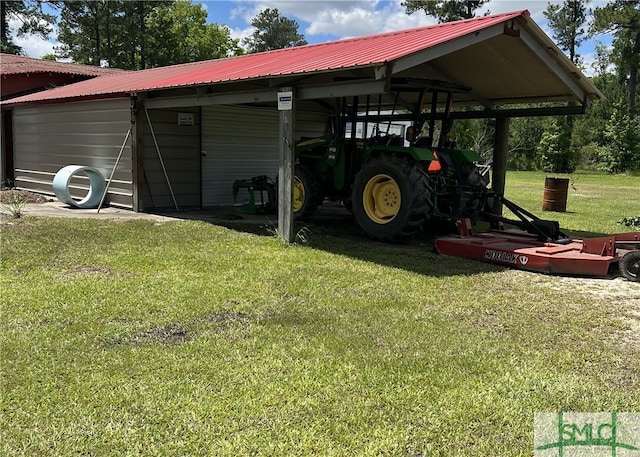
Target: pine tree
x,y
622,17
32,20
273,31
445,10
567,25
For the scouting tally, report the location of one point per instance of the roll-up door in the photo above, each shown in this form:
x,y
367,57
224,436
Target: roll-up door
x,y
237,143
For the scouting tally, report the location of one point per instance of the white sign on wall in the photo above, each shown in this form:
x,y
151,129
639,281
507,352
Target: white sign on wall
x,y
285,101
186,119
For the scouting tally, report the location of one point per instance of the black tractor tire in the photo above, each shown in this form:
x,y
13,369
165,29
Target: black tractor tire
x,y
630,266
306,192
392,197
474,198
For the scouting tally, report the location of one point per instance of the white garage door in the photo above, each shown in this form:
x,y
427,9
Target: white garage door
x,y
237,143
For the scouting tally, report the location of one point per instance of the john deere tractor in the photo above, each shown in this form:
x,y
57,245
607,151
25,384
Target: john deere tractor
x,y
394,177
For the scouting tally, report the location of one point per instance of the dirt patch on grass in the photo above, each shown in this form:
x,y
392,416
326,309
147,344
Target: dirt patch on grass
x,y
9,196
92,269
171,334
615,289
177,333
617,294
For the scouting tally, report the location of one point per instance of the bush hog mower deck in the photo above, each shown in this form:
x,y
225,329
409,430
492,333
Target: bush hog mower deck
x,y
538,245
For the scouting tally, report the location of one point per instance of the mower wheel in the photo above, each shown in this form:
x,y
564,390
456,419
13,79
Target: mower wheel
x,y
306,192
391,197
630,266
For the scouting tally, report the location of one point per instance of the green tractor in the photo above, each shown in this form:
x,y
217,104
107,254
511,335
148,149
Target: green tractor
x,y
393,177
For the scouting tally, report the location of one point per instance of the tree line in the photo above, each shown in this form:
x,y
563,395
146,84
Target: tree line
x,y
135,35
141,34
607,137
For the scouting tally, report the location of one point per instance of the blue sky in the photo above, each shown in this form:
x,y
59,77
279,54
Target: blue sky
x,y
321,21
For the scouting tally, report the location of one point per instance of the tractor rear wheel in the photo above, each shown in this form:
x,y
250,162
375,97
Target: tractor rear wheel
x,y
306,192
630,266
391,197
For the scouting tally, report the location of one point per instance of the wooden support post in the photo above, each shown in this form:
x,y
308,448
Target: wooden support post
x,y
286,106
499,172
137,157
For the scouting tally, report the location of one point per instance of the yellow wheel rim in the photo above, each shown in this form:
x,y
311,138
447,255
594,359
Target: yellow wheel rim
x,y
382,199
298,195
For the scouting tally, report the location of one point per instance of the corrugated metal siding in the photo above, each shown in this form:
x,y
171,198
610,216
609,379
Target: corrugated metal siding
x,y
49,137
239,143
180,150
242,142
311,121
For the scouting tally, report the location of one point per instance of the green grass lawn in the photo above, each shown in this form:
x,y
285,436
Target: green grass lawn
x,y
185,338
595,201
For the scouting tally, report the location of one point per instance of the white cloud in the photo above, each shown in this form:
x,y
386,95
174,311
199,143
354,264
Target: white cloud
x,y
396,18
32,46
337,18
309,9
241,33
364,19
535,7
356,22
348,18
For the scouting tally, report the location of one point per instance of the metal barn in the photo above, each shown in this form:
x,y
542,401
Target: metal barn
x,y
178,136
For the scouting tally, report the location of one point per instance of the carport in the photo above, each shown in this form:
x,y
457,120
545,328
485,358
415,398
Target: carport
x,y
504,65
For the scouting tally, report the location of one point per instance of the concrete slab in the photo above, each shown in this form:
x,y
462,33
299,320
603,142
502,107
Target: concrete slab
x,y
330,213
59,209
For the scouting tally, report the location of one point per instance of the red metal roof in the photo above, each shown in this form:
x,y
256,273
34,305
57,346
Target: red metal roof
x,y
11,64
367,51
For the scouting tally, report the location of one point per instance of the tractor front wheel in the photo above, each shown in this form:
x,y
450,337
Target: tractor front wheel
x,y
391,197
306,192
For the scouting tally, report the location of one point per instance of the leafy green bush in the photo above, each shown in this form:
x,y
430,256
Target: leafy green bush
x,y
622,149
630,221
555,152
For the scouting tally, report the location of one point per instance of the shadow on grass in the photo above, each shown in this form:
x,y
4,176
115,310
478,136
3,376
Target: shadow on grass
x,y
332,229
583,234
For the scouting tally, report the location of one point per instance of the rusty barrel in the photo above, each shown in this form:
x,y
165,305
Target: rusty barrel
x,y
555,194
